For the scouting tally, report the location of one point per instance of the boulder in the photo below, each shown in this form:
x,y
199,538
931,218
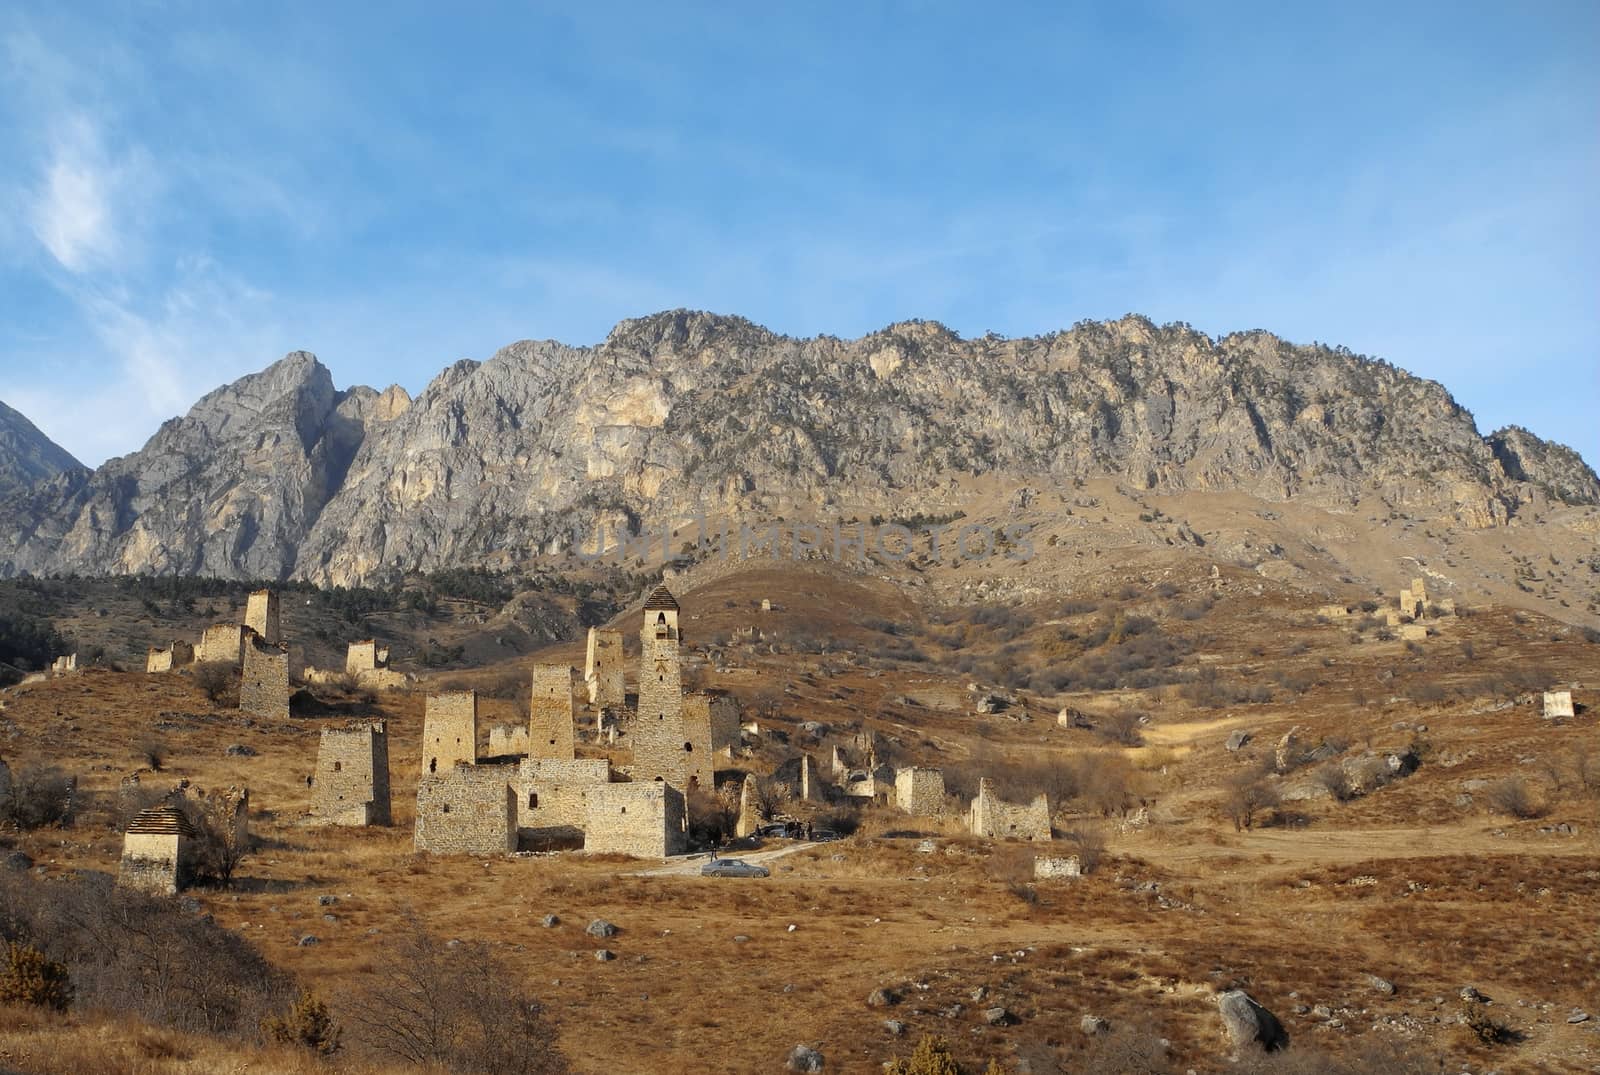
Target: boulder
x,y
604,955
1381,985
805,1058
882,998
601,928
1093,1024
1248,1023
997,1016
550,921
1236,739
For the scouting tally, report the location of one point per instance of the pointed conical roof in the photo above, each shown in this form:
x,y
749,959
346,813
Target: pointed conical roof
x,y
661,599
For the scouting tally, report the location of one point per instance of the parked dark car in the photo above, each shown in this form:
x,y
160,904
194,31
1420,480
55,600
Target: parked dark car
x,y
733,868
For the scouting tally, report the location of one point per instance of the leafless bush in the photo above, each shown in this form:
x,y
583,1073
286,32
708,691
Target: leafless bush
x,y
1130,1049
1089,844
154,754
38,796
220,844
216,681
1110,786
1121,726
1248,794
453,1005
1512,797
1337,782
137,955
1585,766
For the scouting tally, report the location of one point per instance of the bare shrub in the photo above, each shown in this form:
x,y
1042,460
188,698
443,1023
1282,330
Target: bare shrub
x,y
153,752
456,1006
1129,1049
1512,797
1110,786
142,956
1337,782
1121,726
38,796
1487,1027
1248,794
1089,844
220,845
216,681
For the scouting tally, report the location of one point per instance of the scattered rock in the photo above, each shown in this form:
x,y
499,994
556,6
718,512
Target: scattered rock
x,y
882,998
740,938
979,993
1471,995
240,750
805,1058
894,1026
1578,1016
549,921
327,901
998,1016
1093,1024
1248,1023
18,860
308,940
604,955
601,928
1381,985
330,917
1236,739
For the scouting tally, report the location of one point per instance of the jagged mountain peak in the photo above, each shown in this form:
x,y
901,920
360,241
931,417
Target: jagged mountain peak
x,y
26,454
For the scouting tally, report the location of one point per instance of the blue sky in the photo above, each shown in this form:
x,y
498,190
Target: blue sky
x,y
188,191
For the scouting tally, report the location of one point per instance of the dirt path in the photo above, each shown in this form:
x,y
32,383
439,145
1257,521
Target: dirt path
x,y
689,865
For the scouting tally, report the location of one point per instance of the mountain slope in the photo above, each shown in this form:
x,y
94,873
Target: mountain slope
x,y
27,455
279,474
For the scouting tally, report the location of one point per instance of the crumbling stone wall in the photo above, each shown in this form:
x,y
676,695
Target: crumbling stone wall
x,y
749,808
159,659
466,810
64,664
351,785
361,657
508,740
719,712
642,820
919,791
1557,704
603,670
995,819
1048,866
550,714
449,731
264,686
261,616
158,852
810,789
222,643
552,796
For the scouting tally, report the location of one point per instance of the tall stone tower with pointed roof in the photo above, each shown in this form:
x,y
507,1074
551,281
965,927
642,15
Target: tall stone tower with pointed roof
x,y
663,749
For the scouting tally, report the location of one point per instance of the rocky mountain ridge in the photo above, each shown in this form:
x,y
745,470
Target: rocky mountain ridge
x,y
27,455
282,475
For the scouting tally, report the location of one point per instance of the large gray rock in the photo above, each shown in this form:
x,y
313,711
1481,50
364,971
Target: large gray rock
x,y
1249,1024
27,455
1237,739
805,1058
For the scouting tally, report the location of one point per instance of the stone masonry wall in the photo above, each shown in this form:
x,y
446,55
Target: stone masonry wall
x,y
261,615
466,810
168,658
351,786
550,715
156,863
449,731
995,819
222,643
642,820
552,795
919,791
658,734
264,685
603,669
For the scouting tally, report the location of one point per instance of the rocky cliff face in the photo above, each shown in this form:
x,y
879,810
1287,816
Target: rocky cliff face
x,y
280,475
27,455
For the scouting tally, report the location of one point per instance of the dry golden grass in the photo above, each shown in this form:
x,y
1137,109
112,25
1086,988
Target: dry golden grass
x,y
1179,908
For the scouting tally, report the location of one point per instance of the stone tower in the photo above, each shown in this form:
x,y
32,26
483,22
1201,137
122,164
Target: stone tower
x,y
352,781
449,731
261,616
550,717
602,668
661,749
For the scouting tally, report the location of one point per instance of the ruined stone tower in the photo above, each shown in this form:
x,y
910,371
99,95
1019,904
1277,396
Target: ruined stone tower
x,y
550,729
352,781
261,615
449,731
264,683
602,668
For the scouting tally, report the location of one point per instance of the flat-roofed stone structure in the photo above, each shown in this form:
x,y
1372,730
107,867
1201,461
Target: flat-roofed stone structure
x,y
166,658
1557,704
919,791
993,818
158,852
466,810
351,785
642,820
449,731
552,798
551,718
264,681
